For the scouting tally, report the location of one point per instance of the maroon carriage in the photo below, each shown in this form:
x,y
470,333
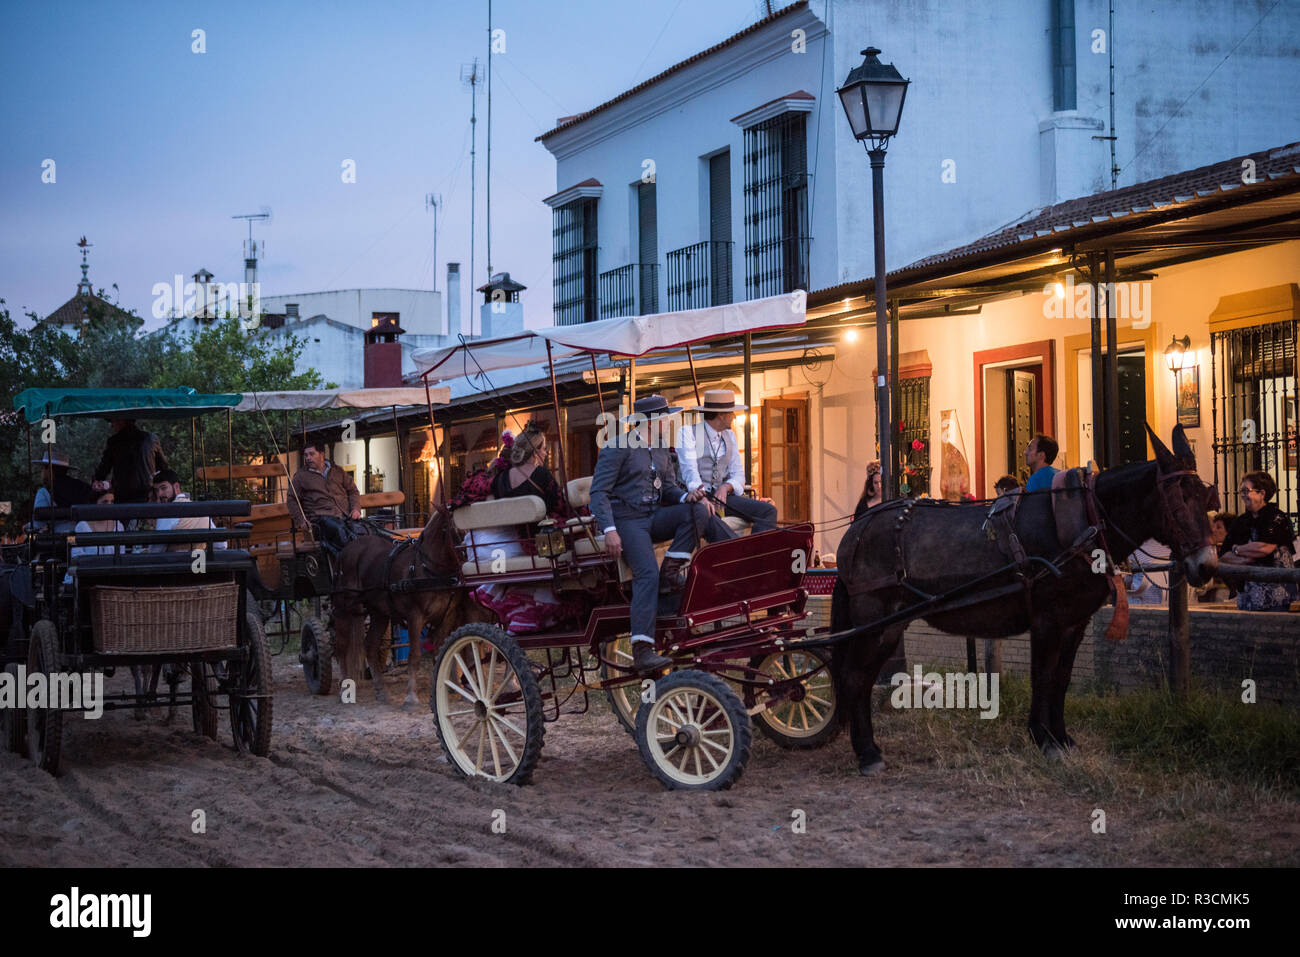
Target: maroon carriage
x,y
728,632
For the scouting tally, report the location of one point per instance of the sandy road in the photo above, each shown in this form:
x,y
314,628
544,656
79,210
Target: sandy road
x,y
367,785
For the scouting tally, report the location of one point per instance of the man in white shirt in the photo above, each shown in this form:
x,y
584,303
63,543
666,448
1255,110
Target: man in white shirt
x,y
167,487
709,456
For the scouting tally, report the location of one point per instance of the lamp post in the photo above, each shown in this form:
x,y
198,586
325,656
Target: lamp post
x,y
872,97
1176,353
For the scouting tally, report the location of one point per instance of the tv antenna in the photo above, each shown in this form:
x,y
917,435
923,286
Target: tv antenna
x,y
432,201
251,249
471,76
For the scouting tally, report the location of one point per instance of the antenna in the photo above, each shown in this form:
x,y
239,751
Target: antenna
x,y
470,76
433,201
251,249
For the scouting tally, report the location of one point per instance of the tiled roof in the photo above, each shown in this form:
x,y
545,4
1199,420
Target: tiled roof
x,y
76,311
567,121
796,95
1100,213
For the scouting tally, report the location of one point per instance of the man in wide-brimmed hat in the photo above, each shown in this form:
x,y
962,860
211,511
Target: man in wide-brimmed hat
x,y
637,501
59,489
710,460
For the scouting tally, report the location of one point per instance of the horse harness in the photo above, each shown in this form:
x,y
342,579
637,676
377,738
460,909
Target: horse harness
x,y
430,581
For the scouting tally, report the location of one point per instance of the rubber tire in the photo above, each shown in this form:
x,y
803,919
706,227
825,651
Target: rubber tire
x,y
628,721
44,725
13,721
823,735
203,701
736,714
320,672
531,692
254,676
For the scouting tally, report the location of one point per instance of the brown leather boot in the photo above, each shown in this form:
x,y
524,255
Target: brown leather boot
x,y
645,660
670,575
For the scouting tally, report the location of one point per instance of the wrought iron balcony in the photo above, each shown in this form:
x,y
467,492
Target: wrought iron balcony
x,y
699,276
631,290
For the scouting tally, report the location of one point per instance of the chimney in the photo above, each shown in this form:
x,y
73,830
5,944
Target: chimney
x,y
453,299
383,359
501,313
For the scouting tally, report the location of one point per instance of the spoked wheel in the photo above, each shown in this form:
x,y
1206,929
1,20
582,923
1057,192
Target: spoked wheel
x,y
487,705
250,692
695,734
807,717
316,655
624,700
44,725
13,721
203,698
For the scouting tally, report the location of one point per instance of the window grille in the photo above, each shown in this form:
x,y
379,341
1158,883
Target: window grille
x,y
776,206
699,276
631,290
1253,403
574,259
913,428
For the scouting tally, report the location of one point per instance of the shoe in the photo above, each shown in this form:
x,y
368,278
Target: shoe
x,y
670,575
646,659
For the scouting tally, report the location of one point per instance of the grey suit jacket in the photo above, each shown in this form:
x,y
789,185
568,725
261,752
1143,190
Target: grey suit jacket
x,y
621,478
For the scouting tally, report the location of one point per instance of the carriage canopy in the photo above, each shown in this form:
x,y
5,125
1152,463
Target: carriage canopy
x,y
624,336
182,403
341,398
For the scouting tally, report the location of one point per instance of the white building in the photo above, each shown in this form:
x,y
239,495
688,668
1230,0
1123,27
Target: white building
x,y
734,173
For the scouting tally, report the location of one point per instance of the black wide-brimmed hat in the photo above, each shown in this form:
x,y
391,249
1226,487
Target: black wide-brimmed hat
x,y
651,406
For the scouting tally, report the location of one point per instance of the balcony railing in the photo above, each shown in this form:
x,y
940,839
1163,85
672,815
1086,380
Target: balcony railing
x,y
631,290
699,276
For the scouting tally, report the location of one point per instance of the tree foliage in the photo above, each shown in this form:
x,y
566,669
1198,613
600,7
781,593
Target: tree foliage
x,y
112,352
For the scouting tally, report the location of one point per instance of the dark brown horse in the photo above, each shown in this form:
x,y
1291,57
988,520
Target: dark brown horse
x,y
942,545
368,566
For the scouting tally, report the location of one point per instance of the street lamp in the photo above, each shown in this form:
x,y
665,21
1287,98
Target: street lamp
x,y
872,97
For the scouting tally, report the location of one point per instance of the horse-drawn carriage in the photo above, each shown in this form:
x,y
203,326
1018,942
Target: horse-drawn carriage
x,y
130,600
727,631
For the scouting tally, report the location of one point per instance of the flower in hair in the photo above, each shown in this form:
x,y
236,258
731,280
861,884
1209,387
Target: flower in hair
x,y
507,438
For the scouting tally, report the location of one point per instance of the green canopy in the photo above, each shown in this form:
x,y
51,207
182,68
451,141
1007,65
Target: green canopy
x,y
36,404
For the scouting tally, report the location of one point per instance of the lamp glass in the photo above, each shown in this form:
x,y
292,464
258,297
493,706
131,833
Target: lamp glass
x,y
855,109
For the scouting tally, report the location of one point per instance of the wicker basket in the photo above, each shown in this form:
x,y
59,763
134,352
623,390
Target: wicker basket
x,y
153,620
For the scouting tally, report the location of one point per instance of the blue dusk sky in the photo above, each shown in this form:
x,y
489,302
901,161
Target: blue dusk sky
x,y
156,147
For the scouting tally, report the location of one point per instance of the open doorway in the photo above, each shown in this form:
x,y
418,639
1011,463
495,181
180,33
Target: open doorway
x,y
1013,402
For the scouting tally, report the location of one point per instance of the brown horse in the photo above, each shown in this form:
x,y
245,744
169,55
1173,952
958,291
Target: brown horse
x,y
898,552
368,566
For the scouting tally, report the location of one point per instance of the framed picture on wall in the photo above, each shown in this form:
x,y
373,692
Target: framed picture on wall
x,y
1187,387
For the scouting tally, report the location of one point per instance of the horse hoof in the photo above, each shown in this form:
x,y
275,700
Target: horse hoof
x,y
410,704
868,768
1054,754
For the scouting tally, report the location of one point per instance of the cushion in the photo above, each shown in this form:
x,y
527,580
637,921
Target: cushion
x,y
515,563
579,490
494,513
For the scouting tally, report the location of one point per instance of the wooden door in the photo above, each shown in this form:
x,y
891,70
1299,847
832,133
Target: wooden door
x,y
785,454
1022,402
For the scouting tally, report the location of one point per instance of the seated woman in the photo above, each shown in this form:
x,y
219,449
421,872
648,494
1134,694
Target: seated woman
x,y
1263,536
100,525
521,608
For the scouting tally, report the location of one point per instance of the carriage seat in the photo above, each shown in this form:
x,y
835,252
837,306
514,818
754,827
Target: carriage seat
x,y
496,514
580,497
1070,505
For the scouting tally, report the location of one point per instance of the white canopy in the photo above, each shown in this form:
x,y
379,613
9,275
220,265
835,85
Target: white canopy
x,y
342,398
625,336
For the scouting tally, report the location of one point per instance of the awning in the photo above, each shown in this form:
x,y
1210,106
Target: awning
x,y
624,336
182,403
341,398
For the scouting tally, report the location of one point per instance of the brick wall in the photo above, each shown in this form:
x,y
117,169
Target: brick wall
x,y
1227,647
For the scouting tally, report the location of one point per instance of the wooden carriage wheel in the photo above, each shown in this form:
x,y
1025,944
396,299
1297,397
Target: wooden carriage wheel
x,y
624,700
13,721
317,656
203,698
695,734
44,725
487,705
250,691
806,719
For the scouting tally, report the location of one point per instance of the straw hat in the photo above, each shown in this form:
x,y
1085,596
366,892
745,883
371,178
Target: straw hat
x,y
720,400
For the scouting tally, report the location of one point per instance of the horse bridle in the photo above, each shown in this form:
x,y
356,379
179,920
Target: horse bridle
x,y
1176,517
